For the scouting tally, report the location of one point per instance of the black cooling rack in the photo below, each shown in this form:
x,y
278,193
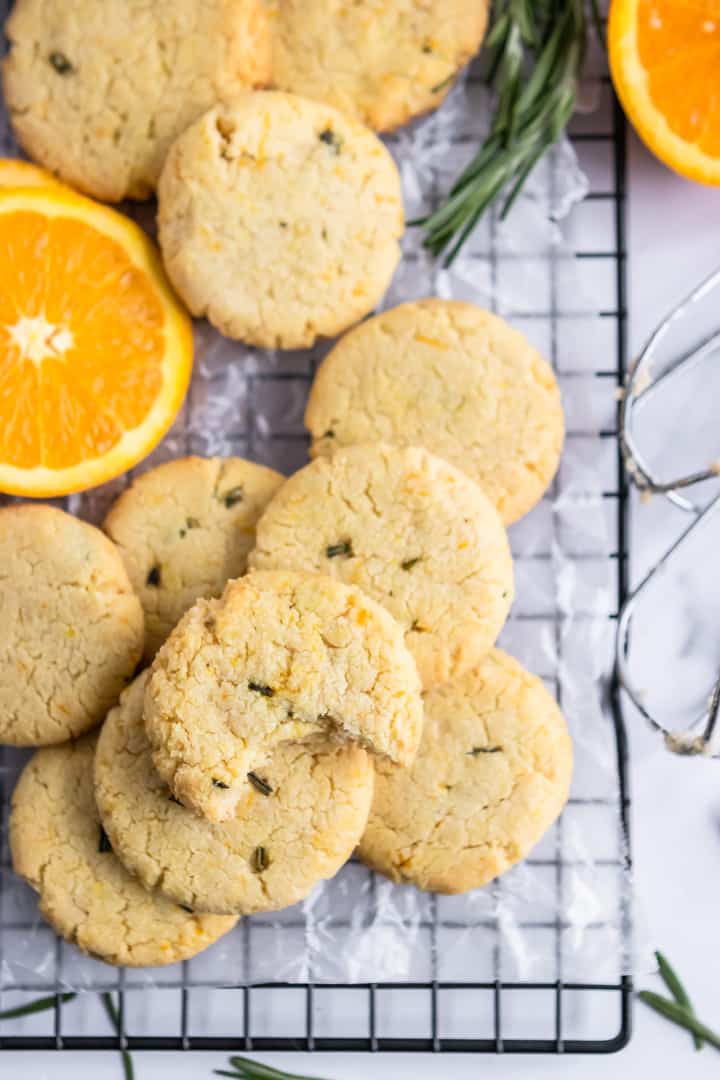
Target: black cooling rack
x,y
438,1013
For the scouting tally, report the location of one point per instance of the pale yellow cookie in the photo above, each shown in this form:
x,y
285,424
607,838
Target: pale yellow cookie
x,y
59,846
384,61
71,627
491,776
278,658
451,377
184,529
97,92
298,820
279,219
413,532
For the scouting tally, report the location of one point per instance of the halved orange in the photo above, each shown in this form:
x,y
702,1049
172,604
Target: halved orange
x,y
95,349
16,173
665,64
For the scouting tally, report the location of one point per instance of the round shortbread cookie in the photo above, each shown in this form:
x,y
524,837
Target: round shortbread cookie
x,y
298,820
279,219
59,846
97,92
491,776
381,62
71,627
184,529
278,658
451,377
414,533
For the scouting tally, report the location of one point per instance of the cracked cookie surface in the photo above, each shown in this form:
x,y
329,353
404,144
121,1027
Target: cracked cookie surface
x,y
97,92
455,379
279,657
491,776
381,62
297,821
414,533
279,219
71,627
85,892
184,529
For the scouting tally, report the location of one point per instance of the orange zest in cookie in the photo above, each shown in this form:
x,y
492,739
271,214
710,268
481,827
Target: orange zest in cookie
x,y
95,350
665,64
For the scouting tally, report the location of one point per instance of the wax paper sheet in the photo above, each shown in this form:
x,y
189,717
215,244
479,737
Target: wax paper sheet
x,y
562,913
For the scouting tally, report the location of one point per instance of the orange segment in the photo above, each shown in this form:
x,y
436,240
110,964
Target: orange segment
x,y
95,350
16,173
665,64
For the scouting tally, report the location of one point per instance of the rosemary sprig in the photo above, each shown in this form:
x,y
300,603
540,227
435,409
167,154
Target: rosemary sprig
x,y
676,988
246,1069
114,1017
537,49
40,1005
680,1016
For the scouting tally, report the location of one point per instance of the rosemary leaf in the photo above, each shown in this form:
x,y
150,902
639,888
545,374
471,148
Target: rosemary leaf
x,y
259,860
676,988
259,784
680,1016
233,496
114,1017
255,1070
154,577
40,1005
261,688
408,564
61,63
343,547
536,50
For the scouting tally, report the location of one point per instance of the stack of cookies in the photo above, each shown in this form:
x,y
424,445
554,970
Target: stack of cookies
x,y
317,659
243,679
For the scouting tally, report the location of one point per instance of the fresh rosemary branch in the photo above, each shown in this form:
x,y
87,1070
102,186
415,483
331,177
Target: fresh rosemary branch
x,y
246,1069
680,1016
676,988
114,1017
536,49
40,1005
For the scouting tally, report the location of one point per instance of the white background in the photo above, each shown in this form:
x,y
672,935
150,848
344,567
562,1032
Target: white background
x,y
674,239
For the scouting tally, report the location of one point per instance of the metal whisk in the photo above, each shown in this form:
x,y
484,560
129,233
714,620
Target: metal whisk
x,y
640,387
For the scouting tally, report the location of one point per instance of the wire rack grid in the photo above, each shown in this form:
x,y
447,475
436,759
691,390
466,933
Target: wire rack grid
x,y
440,1011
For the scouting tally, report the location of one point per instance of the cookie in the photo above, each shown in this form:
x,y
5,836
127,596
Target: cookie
x,y
297,821
59,846
278,658
71,627
184,529
414,533
279,219
97,92
451,377
491,776
383,63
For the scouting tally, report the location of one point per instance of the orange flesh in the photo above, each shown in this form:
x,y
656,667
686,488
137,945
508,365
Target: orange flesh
x,y
679,46
98,371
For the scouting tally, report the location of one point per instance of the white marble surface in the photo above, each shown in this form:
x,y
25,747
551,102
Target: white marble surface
x,y
674,239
